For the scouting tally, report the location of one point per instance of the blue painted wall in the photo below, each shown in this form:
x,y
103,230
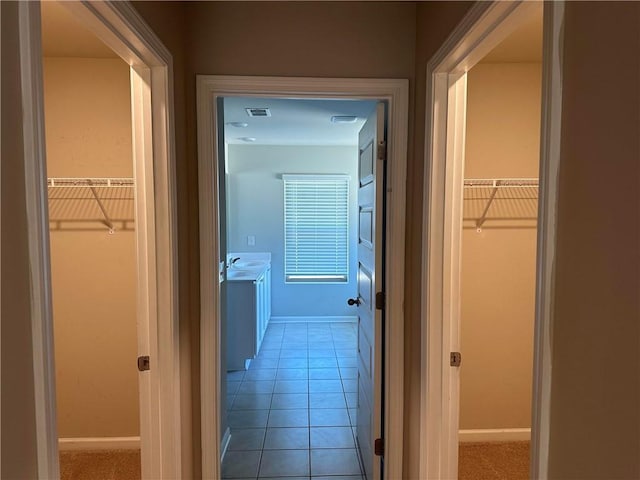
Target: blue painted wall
x,y
255,197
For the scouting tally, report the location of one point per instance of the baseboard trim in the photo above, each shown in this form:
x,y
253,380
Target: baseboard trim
x,y
494,435
99,443
226,439
322,319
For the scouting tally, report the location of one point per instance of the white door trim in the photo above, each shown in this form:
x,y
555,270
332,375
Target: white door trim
x,y
546,253
481,30
120,26
396,93
38,235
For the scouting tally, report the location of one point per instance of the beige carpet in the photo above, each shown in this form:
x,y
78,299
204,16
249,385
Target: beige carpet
x,y
477,461
493,461
100,465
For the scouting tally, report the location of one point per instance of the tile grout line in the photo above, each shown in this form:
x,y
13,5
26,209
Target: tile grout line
x,y
308,369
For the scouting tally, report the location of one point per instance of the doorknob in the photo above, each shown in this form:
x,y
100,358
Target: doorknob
x,y
354,301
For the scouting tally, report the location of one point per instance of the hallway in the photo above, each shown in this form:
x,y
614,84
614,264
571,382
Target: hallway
x,y
292,414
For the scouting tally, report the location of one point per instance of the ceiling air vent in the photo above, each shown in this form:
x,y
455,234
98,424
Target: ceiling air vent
x,y
258,112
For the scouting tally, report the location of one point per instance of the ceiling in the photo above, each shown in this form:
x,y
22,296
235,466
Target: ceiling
x,y
294,121
523,46
64,36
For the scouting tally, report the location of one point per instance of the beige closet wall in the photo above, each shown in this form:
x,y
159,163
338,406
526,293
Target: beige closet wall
x,y
88,133
498,265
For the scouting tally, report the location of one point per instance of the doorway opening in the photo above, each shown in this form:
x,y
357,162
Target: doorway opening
x,y
291,230
498,255
92,242
489,238
148,69
311,409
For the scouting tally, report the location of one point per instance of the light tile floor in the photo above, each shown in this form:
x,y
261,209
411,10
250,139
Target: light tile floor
x,y
292,414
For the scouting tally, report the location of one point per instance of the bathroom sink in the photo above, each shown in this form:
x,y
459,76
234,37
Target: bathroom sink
x,y
249,264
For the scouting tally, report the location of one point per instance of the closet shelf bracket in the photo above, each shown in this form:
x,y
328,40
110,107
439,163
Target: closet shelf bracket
x,y
483,217
107,220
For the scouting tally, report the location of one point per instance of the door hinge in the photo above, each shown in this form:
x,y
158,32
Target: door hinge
x,y
378,447
455,359
380,301
143,363
382,151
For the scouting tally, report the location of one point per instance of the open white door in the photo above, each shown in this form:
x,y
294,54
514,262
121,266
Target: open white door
x,y
372,147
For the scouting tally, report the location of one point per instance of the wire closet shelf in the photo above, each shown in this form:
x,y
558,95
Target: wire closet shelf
x,y
500,202
86,204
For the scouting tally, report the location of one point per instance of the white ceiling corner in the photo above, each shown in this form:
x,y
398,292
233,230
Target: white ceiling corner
x,y
64,36
524,45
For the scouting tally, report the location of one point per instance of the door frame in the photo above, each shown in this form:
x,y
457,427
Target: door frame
x,y
120,27
485,25
396,93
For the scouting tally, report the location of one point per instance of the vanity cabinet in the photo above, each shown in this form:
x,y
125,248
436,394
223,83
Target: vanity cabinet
x,y
248,314
263,306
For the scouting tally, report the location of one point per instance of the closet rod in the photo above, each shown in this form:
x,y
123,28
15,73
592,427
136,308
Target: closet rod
x,y
90,182
500,182
515,185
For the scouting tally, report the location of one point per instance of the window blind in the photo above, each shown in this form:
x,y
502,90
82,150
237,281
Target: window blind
x,y
316,219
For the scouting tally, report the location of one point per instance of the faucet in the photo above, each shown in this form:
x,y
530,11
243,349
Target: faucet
x,y
234,260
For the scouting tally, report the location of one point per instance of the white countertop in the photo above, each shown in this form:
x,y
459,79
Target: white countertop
x,y
249,266
240,275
